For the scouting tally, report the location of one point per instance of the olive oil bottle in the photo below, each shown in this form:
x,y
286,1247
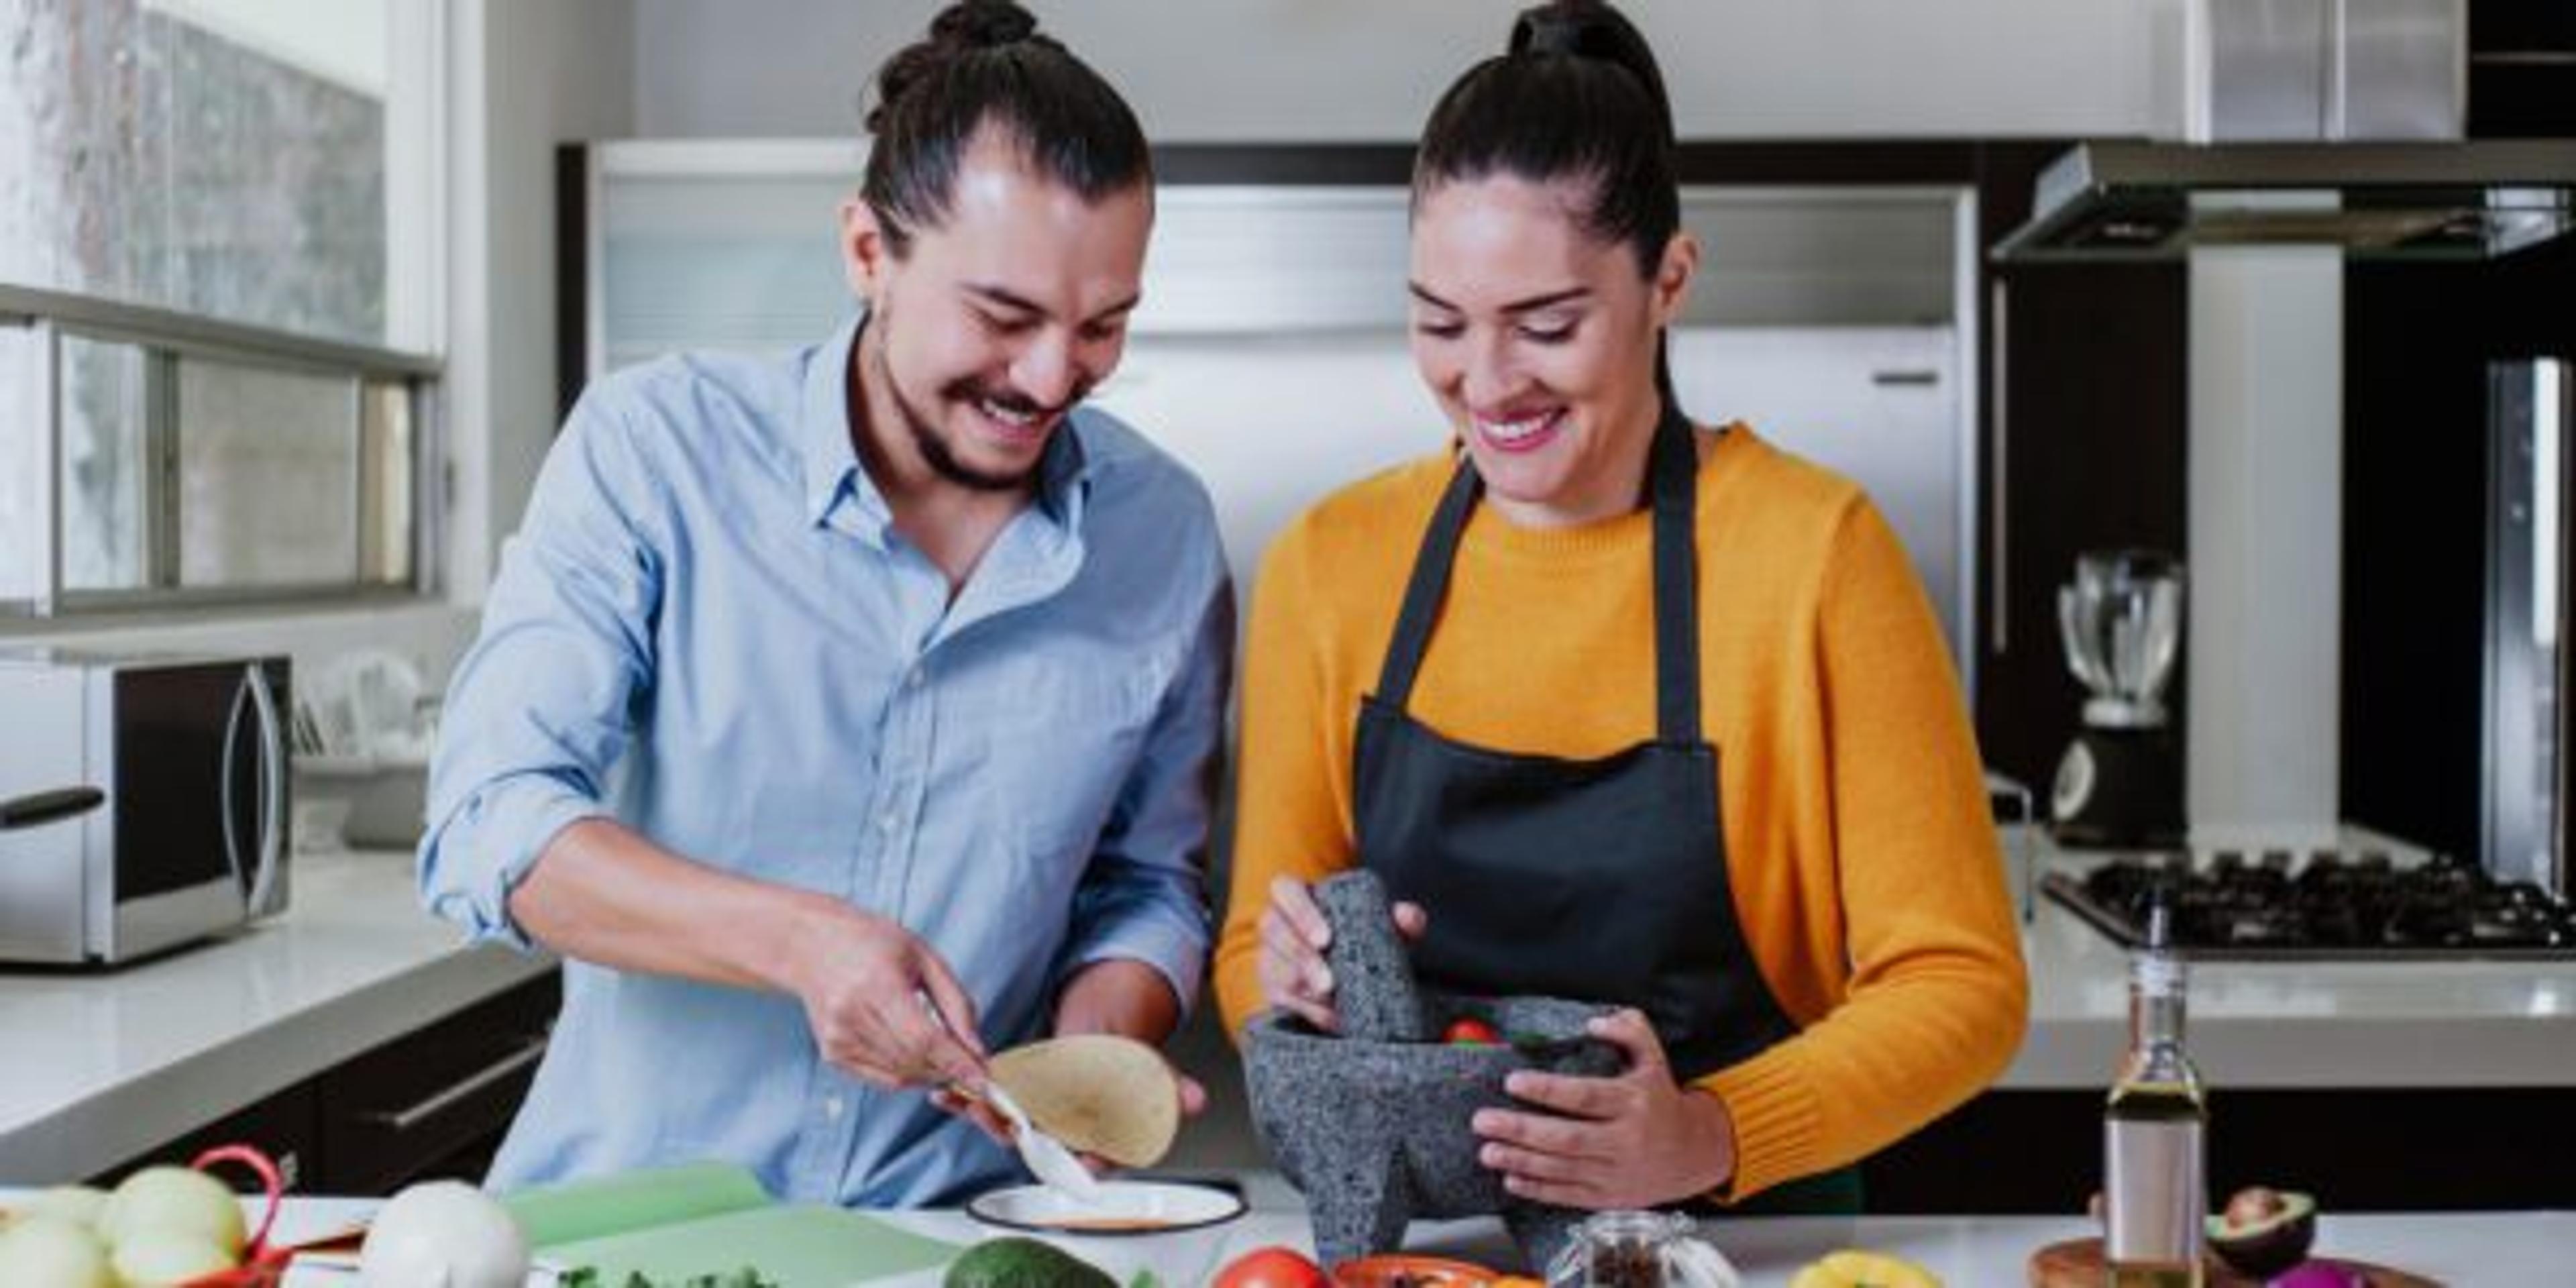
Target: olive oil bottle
x,y
2154,1190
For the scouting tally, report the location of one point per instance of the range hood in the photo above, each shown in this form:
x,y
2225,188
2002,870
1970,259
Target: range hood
x,y
2308,122
2416,200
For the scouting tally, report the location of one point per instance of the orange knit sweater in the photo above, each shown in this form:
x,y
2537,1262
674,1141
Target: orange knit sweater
x,y
1864,863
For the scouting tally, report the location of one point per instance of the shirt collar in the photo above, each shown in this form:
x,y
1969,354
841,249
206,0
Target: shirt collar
x,y
832,472
833,475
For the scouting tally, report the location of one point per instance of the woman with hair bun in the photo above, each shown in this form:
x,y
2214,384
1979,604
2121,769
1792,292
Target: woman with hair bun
x,y
1621,706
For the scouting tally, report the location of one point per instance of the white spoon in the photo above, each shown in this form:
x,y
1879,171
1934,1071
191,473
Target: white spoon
x,y
1044,1154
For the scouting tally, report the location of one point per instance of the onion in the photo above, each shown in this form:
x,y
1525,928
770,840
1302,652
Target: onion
x,y
443,1234
52,1251
158,1258
78,1204
174,1200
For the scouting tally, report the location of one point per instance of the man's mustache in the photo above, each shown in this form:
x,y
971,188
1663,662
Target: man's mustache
x,y
1014,401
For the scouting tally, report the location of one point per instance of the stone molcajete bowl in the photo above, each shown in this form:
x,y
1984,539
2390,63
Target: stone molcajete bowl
x,y
1371,1123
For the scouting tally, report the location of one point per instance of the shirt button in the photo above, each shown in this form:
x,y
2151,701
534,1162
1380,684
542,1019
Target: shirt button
x,y
912,678
885,823
832,1108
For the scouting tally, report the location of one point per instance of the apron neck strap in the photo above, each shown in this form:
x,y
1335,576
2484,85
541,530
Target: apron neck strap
x,y
1427,587
1673,471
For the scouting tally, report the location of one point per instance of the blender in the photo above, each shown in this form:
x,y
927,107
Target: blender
x,y
2119,785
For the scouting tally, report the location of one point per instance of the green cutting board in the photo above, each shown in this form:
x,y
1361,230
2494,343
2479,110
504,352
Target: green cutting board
x,y
796,1247
711,1218
571,1211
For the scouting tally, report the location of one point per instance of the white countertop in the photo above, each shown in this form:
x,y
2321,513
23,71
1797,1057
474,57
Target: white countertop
x,y
2306,1024
101,1066
2463,1250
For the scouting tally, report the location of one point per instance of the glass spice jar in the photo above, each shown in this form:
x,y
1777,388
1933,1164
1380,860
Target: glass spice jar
x,y
1639,1250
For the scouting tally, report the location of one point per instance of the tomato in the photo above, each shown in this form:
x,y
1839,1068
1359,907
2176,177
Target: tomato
x,y
1271,1267
1470,1032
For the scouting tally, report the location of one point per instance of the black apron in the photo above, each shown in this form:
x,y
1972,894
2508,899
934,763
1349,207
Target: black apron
x,y
1601,880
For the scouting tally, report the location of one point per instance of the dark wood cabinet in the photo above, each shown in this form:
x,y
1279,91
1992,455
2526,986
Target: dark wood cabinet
x,y
2419,339
2081,447
2357,1150
286,1125
2522,69
433,1102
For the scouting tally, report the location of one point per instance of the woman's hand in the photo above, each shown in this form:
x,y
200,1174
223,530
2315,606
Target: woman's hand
x,y
1294,936
1631,1141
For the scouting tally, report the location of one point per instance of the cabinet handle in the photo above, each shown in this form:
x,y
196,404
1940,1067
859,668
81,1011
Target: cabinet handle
x,y
2524,58
403,1120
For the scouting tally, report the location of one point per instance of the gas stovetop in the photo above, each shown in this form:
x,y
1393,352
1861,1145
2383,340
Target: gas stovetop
x,y
2272,906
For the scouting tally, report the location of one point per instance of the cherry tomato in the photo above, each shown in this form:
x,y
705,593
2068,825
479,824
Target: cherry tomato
x,y
1470,1032
1271,1267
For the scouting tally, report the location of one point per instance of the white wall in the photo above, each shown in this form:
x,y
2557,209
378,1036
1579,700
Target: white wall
x,y
1243,70
526,76
2264,597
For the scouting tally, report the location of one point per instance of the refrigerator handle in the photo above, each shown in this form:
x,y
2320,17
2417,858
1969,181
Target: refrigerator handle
x,y
1999,456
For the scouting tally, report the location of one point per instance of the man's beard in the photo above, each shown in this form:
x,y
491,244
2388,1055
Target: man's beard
x,y
935,450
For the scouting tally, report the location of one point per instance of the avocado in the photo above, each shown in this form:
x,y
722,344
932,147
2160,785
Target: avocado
x,y
1015,1262
2263,1232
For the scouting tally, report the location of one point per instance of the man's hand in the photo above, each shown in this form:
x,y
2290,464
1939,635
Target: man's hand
x,y
870,990
1631,1141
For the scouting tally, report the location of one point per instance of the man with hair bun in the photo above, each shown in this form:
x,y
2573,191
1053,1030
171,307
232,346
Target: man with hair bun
x,y
843,716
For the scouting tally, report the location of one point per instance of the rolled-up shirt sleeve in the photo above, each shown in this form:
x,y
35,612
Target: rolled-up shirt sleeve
x,y
1144,895
541,706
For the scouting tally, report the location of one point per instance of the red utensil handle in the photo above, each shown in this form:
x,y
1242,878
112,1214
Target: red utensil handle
x,y
273,1186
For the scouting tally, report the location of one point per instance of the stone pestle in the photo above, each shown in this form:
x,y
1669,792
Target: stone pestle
x,y
1374,992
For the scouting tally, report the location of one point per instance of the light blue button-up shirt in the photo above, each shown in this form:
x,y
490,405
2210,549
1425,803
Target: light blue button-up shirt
x,y
707,628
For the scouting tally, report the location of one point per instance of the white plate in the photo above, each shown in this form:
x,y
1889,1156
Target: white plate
x,y
1125,1208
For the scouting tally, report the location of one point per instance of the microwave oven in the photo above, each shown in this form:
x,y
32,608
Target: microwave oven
x,y
144,801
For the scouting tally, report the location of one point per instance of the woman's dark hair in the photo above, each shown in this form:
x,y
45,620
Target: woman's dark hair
x,y
984,63
1575,96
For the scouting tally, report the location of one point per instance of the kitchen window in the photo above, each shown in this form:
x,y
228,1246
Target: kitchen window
x,y
218,376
